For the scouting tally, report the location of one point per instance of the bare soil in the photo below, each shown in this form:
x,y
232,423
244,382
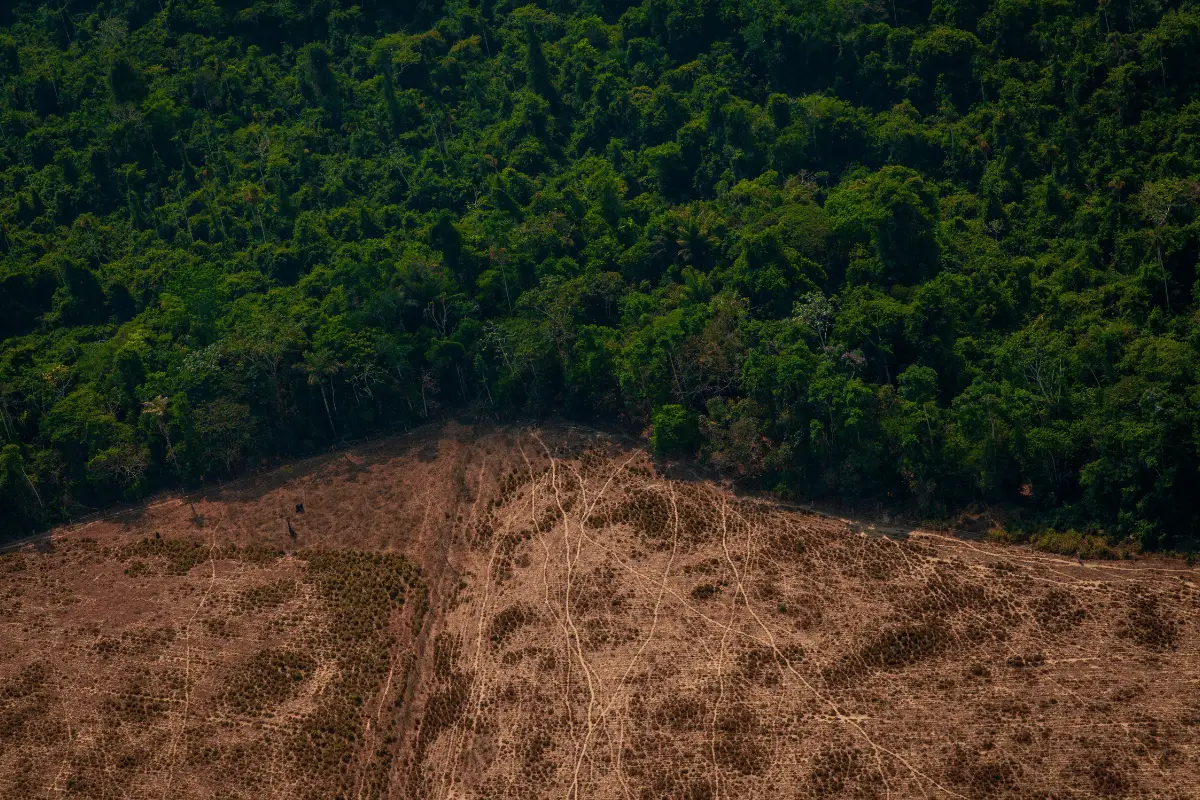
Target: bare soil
x,y
521,613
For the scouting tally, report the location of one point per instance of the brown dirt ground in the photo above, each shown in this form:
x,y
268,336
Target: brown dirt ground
x,y
538,613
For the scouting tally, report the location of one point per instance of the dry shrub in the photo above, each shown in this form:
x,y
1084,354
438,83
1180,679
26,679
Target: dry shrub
x,y
264,597
1026,661
682,712
598,591
648,512
445,706
267,679
12,562
677,786
739,747
1057,611
508,622
146,641
23,700
891,649
664,764
361,593
218,627
532,749
1148,623
1107,778
30,679
180,554
946,594
789,542
842,771
136,704
448,697
259,554
763,665
446,650
983,774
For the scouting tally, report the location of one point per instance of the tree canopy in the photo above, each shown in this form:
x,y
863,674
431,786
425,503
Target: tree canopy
x,y
932,255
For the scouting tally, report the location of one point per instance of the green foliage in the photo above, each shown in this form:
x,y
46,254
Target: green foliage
x,y
1072,542
126,81
886,223
676,430
935,256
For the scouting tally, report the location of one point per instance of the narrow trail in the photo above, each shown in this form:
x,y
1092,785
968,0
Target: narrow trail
x,y
680,598
1022,554
66,760
541,538
616,694
372,722
585,514
437,572
712,724
783,659
619,768
478,682
573,635
187,665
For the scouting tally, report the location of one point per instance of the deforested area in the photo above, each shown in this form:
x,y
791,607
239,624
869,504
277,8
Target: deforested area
x,y
638,399
549,612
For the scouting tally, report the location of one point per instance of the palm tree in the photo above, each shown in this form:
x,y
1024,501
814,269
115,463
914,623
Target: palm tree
x,y
157,408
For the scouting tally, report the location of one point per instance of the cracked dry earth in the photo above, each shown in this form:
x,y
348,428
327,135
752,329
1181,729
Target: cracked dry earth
x,y
538,613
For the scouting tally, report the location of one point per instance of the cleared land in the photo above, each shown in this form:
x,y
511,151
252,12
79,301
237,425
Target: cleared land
x,y
540,614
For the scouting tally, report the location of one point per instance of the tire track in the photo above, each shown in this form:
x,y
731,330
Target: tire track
x,y
187,664
782,658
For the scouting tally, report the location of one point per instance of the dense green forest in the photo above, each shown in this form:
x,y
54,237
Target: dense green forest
x,y
931,255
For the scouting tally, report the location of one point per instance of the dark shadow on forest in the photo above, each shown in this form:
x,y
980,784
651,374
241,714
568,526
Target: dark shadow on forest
x,y
562,438
357,458
870,520
41,543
